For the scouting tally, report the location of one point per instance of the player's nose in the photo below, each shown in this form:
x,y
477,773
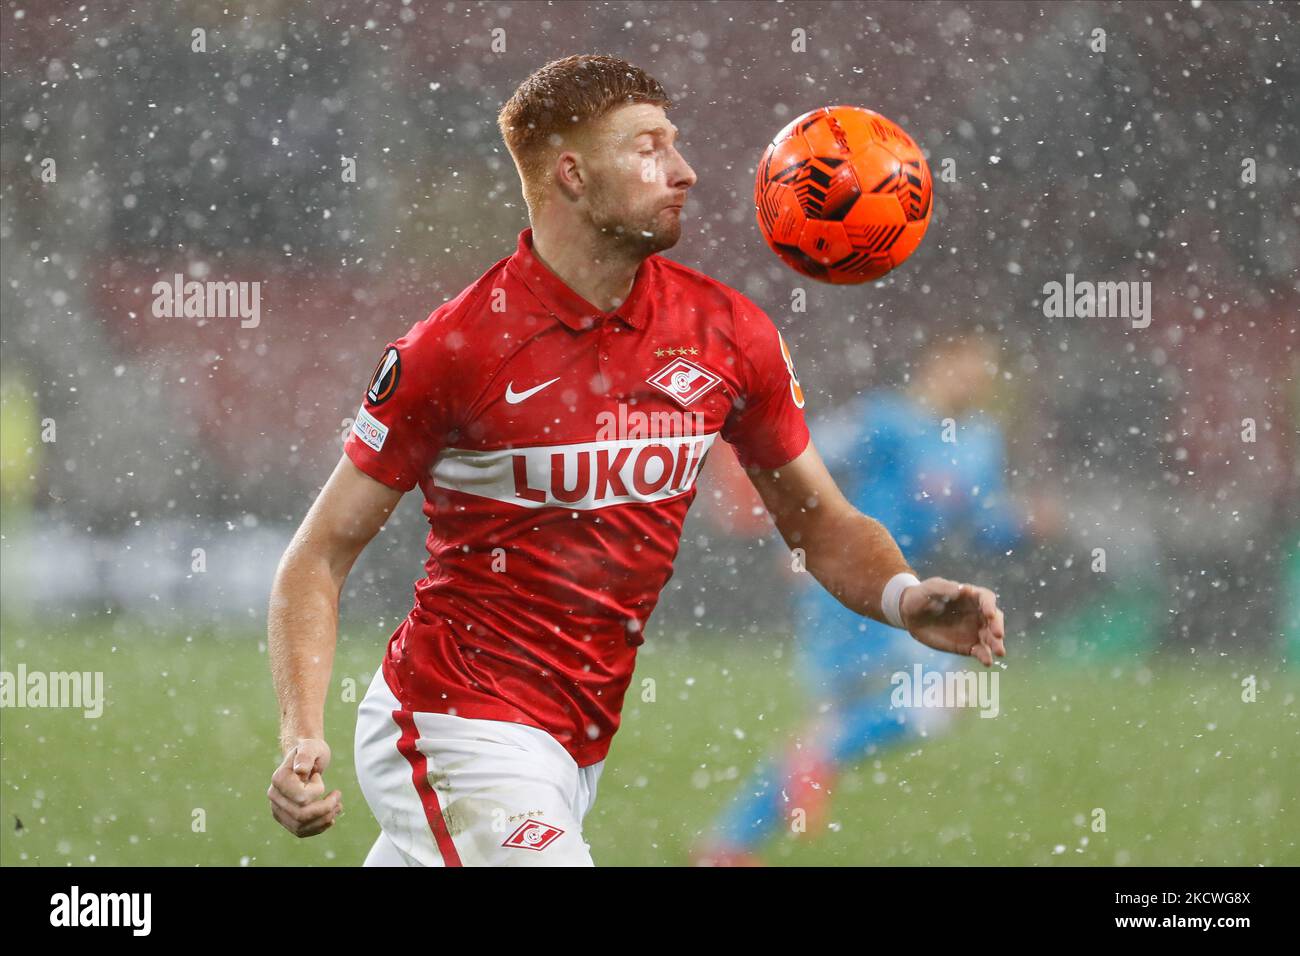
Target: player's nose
x,y
680,174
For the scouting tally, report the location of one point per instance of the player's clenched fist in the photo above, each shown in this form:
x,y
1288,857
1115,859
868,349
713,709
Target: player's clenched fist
x,y
957,618
297,792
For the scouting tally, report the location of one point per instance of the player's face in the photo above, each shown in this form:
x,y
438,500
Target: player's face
x,y
638,179
972,369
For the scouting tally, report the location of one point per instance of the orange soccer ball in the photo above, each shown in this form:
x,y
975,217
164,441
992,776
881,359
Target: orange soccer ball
x,y
843,195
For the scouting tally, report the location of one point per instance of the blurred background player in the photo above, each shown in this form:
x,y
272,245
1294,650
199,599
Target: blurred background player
x,y
20,463
930,463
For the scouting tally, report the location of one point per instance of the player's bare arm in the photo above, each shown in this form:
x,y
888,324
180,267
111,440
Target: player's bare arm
x,y
854,556
302,631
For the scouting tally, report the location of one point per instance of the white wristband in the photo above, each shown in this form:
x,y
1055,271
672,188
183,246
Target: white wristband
x,y
891,601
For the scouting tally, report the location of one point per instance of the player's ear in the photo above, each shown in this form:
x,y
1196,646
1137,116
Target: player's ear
x,y
570,175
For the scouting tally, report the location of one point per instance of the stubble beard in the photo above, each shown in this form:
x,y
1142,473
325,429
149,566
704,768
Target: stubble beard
x,y
637,237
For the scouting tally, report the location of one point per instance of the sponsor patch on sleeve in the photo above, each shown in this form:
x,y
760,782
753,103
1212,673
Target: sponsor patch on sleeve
x,y
370,429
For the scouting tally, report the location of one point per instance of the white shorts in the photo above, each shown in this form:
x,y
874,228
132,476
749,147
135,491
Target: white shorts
x,y
457,791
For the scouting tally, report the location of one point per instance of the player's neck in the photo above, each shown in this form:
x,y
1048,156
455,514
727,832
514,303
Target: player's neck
x,y
594,270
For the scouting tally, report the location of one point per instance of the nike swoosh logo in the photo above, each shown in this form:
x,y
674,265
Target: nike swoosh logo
x,y
514,398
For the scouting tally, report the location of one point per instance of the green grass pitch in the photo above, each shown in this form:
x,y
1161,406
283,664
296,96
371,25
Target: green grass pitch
x,y
175,770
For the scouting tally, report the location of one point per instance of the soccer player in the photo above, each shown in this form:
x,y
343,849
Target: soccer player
x,y
928,464
555,416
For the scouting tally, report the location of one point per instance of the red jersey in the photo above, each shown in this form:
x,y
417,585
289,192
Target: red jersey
x,y
557,448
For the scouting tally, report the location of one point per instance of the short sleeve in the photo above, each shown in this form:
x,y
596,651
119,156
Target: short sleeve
x,y
766,426
406,412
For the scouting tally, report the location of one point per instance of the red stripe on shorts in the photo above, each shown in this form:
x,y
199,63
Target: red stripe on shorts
x,y
420,776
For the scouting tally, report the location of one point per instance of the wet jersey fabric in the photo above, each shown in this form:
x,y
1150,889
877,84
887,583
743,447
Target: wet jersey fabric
x,y
557,449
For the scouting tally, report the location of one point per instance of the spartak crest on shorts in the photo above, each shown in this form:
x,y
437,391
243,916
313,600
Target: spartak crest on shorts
x,y
534,835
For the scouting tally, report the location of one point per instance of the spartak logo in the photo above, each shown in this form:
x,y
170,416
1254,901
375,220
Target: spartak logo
x,y
534,835
685,381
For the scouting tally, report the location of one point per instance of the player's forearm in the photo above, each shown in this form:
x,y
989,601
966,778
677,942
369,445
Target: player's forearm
x,y
302,628
853,556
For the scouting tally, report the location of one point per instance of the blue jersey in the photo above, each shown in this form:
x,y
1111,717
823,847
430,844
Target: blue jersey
x,y
891,460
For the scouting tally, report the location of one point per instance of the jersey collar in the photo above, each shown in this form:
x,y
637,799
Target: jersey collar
x,y
565,304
